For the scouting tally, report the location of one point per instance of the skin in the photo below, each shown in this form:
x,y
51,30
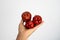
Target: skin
x,y
24,33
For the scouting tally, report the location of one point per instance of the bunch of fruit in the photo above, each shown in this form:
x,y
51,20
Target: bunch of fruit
x,y
26,16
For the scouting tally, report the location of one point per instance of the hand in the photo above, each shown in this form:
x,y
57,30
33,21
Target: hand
x,y
24,33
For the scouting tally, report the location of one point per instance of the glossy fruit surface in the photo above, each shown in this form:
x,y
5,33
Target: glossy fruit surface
x,y
26,16
29,25
37,19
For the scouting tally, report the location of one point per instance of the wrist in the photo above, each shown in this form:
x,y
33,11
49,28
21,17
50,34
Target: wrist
x,y
21,37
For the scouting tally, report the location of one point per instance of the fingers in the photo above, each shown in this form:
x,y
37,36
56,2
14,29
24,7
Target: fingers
x,y
30,31
38,25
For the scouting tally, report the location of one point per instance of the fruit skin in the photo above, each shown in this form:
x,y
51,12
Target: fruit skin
x,y
37,19
26,16
29,25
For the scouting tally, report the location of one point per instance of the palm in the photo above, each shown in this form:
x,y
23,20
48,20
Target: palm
x,y
22,29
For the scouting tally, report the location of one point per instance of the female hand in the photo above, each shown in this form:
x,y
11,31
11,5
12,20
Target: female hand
x,y
24,33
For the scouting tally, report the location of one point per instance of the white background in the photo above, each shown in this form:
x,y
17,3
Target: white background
x,y
10,16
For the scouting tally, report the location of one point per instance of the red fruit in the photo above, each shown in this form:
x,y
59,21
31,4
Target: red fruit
x,y
29,25
26,16
37,19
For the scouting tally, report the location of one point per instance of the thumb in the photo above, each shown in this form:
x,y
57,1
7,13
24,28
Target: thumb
x,y
21,26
